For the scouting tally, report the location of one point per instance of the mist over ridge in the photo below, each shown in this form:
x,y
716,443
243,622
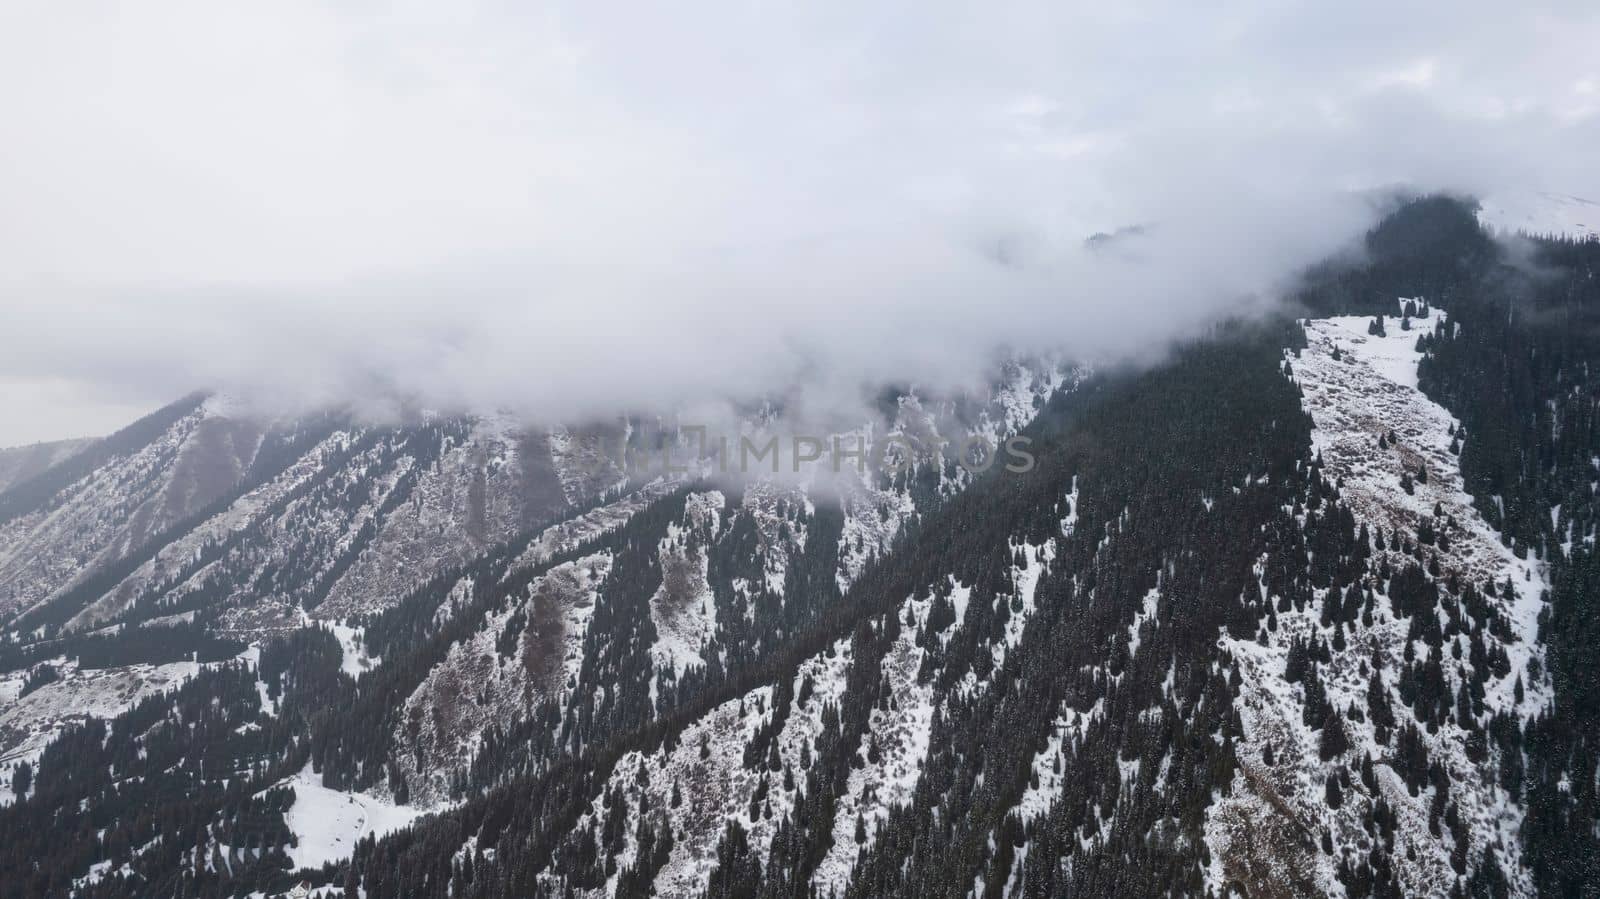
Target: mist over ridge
x,y
567,214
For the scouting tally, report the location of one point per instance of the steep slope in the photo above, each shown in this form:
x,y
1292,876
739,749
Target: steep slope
x,y
496,483
128,500
711,594
216,513
524,657
1306,609
802,779
23,463
1445,628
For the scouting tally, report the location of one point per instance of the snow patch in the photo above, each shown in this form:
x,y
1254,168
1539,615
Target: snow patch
x,y
327,824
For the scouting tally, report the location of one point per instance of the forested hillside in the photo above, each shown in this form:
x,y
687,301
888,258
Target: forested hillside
x,y
1305,608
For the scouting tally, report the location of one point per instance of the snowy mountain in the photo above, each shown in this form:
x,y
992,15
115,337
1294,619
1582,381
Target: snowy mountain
x,y
1305,609
1542,214
21,463
1392,451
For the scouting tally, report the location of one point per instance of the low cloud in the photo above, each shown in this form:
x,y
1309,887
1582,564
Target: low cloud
x,y
567,211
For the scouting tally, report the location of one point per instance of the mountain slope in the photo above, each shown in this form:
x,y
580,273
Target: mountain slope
x,y
23,463
1303,610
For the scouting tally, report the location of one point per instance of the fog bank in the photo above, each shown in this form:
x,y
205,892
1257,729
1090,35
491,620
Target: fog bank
x,y
566,211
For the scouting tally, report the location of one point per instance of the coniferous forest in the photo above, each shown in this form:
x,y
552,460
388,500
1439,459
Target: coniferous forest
x,y
1261,620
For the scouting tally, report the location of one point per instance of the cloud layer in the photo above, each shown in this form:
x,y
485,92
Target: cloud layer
x,y
567,210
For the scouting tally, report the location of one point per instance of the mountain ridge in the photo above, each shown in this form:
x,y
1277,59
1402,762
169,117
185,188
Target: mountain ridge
x,y
1300,610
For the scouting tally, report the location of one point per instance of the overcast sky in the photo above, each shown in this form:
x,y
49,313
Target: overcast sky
x,y
571,208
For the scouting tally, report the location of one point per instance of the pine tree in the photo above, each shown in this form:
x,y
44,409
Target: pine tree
x,y
1333,741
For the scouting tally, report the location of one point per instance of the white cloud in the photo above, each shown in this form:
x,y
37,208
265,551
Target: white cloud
x,y
565,208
